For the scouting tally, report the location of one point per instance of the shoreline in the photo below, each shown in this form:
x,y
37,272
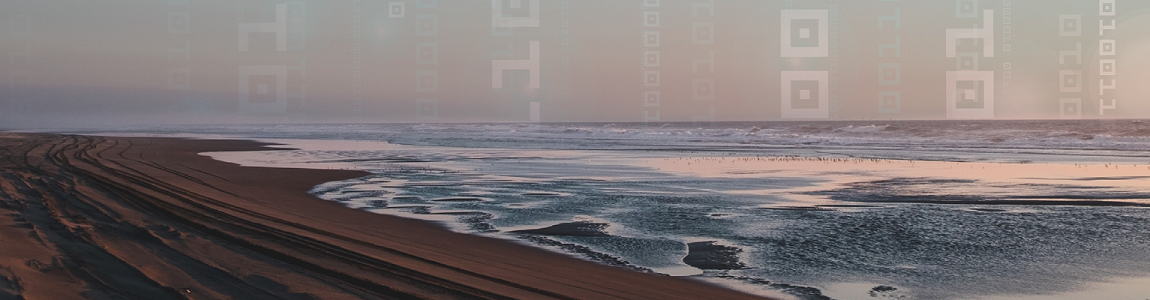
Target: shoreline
x,y
960,188
103,217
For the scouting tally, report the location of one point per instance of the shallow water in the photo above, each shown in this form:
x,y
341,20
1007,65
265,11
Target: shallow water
x,y
836,220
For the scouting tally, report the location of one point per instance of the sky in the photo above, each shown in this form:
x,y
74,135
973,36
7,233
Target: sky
x,y
109,62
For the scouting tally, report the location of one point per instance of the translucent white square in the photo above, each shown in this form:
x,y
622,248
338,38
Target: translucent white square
x,y
966,9
890,74
650,39
704,89
703,33
1070,108
280,74
805,95
890,102
821,16
1107,8
426,109
427,53
952,109
820,112
650,19
804,33
531,65
498,20
395,10
262,89
1069,81
279,27
651,99
651,59
178,22
984,35
427,25
651,78
1107,47
427,81
1107,67
1069,25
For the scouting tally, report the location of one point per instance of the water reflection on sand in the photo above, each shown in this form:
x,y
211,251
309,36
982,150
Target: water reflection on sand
x,y
811,226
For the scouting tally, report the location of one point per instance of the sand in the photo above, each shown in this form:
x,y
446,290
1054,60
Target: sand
x,y
85,217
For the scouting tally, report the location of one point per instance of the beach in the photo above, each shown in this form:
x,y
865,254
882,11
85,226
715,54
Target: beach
x,y
88,217
807,210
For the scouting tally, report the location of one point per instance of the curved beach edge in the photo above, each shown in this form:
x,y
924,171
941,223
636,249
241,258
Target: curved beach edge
x,y
88,217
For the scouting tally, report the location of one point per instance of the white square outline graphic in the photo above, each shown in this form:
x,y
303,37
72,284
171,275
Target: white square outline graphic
x,y
1062,81
431,102
434,53
984,34
710,96
647,75
647,34
434,19
821,112
973,58
789,15
695,37
179,22
419,81
245,104
498,20
897,102
973,14
1102,67
647,61
1062,28
987,110
396,10
1102,8
897,74
1062,108
531,65
1102,47
647,16
279,27
648,95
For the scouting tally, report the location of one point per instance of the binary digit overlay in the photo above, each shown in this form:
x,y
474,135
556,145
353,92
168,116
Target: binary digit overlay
x,y
273,89
655,61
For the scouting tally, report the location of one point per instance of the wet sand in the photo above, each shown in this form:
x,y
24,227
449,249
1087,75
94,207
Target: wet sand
x,y
876,181
86,217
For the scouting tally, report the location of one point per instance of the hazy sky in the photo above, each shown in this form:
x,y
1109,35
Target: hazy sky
x,y
71,63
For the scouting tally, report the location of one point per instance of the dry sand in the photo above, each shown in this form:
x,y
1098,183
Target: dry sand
x,y
86,217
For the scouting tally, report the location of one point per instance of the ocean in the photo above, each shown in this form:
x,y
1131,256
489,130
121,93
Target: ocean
x,y
1047,209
